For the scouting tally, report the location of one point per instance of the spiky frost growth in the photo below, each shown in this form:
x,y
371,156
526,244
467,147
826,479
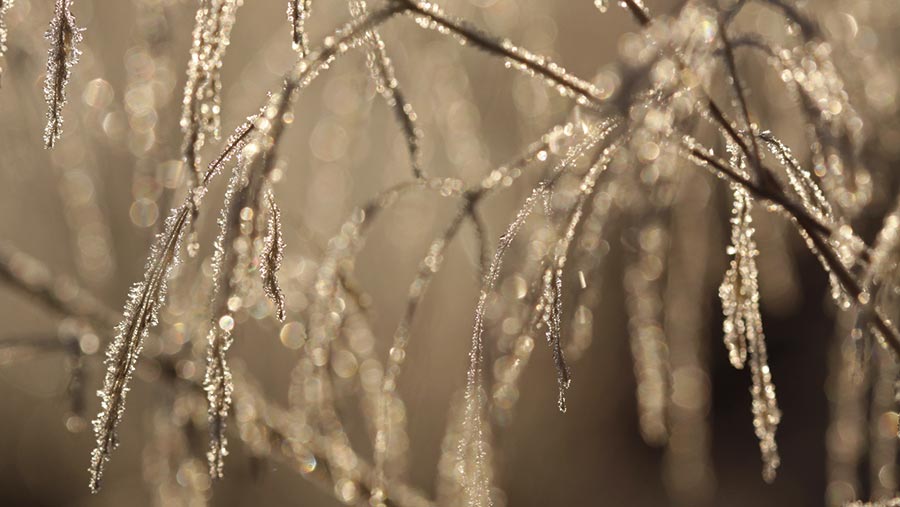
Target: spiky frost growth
x,y
232,260
4,31
141,313
298,11
743,328
63,54
202,102
272,256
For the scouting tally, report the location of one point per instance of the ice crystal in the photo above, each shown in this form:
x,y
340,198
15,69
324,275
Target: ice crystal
x,y
472,442
202,92
232,260
298,11
141,313
64,38
550,303
382,71
742,325
272,255
430,15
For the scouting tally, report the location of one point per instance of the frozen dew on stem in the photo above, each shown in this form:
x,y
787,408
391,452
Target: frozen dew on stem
x,y
232,260
272,256
381,70
141,312
298,11
64,38
742,325
202,103
142,308
472,441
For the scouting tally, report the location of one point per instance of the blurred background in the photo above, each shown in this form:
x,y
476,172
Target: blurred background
x,y
89,208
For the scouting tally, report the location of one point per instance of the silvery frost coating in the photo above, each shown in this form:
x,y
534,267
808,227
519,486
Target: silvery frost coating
x,y
202,104
141,313
742,325
382,73
298,11
234,250
661,90
472,447
272,256
62,56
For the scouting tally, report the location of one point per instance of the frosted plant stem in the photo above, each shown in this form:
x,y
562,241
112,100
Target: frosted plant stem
x,y
148,296
141,313
472,447
202,92
429,15
63,54
428,267
815,231
243,195
298,12
550,302
272,256
279,426
382,72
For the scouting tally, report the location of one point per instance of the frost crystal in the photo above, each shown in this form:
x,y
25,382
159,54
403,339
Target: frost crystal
x,y
742,326
141,313
232,262
298,11
202,92
801,181
63,54
472,446
272,256
382,72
